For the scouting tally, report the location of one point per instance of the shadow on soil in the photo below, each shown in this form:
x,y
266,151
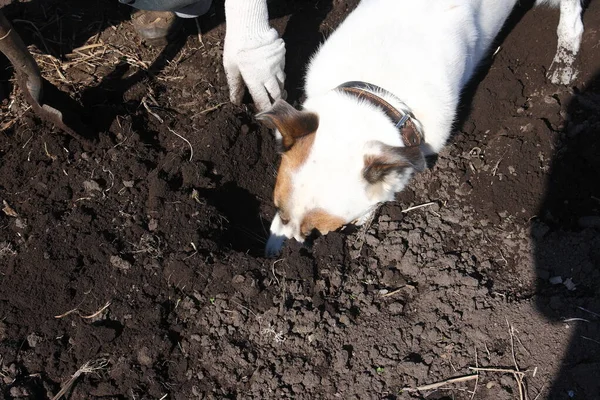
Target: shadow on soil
x,y
567,246
68,27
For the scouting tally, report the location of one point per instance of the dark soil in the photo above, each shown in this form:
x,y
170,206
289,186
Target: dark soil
x,y
172,239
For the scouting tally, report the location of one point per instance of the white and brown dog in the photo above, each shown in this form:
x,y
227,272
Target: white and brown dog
x,y
382,92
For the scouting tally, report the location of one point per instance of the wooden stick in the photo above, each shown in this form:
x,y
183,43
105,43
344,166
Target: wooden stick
x,y
437,385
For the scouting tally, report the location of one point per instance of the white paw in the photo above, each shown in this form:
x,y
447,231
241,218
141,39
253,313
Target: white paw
x,y
562,74
562,70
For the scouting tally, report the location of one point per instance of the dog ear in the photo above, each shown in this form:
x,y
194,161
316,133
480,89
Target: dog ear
x,y
291,123
391,159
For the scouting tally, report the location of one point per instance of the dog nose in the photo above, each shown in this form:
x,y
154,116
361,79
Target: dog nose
x,y
274,245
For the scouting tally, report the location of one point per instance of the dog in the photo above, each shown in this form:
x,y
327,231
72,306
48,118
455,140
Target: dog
x,y
381,94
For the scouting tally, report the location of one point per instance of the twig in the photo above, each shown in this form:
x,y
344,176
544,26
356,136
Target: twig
x,y
7,33
419,206
87,47
518,378
588,311
512,344
437,385
393,292
155,115
88,367
97,312
590,339
487,351
476,379
540,392
67,313
213,108
199,31
575,319
76,311
187,141
495,169
52,157
273,270
501,370
366,225
247,309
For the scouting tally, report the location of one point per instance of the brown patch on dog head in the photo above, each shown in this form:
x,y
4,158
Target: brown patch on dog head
x,y
320,220
392,159
290,162
291,123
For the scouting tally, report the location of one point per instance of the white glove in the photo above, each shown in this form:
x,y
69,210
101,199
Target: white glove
x,y
254,53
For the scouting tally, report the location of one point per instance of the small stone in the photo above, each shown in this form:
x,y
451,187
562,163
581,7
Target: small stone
x,y
143,357
344,320
569,284
33,339
18,392
152,225
119,263
91,186
527,128
555,280
195,337
396,308
128,184
464,189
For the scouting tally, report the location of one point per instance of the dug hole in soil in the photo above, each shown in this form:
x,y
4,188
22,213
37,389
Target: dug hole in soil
x,y
140,257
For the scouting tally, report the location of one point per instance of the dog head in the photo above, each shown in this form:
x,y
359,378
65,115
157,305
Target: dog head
x,y
335,166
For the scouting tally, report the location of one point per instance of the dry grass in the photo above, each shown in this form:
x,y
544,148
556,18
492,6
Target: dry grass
x,y
87,368
6,249
82,314
85,66
518,374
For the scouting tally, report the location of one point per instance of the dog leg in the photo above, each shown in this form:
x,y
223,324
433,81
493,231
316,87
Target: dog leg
x,y
562,71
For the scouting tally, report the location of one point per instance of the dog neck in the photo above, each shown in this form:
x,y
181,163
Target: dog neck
x,y
410,129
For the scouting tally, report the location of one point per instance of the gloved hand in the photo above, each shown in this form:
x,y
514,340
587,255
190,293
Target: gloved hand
x,y
254,53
